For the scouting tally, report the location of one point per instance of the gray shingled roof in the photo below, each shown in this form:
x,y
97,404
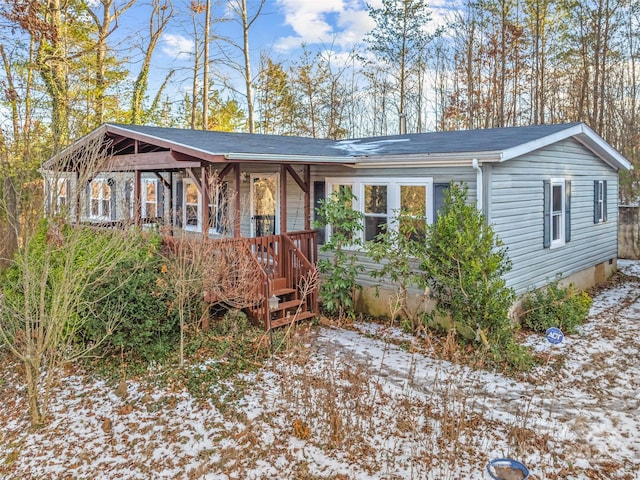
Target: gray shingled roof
x,y
222,143
483,140
489,145
463,141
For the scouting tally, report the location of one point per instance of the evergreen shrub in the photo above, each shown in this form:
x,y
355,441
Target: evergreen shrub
x,y
555,306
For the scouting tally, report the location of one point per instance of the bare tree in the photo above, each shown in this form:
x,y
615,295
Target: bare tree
x,y
51,284
106,22
239,7
162,12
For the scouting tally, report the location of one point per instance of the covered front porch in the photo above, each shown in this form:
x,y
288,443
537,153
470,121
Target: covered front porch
x,y
196,183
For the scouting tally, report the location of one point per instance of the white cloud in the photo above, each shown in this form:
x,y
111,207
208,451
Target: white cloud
x,y
339,22
177,46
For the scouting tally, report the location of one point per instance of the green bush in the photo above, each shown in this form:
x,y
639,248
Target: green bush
x,y
338,285
555,306
396,252
464,267
148,324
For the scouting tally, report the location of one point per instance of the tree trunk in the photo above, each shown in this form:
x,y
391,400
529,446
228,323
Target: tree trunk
x,y
205,75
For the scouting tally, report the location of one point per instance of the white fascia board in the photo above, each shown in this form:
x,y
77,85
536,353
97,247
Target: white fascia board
x,y
583,134
464,159
275,158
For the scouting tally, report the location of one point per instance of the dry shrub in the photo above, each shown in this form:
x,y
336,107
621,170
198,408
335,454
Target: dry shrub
x,y
301,430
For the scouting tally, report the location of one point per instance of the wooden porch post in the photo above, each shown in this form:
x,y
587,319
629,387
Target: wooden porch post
x,y
137,206
204,180
307,197
236,218
283,198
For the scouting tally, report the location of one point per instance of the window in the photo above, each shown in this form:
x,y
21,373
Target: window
x,y
192,206
150,198
219,220
599,201
375,210
347,190
413,211
381,198
62,195
557,212
100,199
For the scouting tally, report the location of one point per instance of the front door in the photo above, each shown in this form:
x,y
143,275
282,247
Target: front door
x,y
264,205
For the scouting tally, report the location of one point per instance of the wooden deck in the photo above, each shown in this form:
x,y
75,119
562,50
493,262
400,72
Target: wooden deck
x,y
281,265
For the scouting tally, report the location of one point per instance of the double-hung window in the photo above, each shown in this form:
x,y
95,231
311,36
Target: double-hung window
x,y
150,198
599,201
219,219
413,211
100,199
375,209
557,212
61,195
192,206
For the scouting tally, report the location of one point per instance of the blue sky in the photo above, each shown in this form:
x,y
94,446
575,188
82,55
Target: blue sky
x,y
283,26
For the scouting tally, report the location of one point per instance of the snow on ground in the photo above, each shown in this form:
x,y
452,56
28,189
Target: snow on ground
x,y
358,404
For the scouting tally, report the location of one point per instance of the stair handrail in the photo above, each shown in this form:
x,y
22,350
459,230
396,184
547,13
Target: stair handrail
x,y
308,267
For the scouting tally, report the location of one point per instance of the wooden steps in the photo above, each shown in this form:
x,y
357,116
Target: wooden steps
x,y
291,308
293,318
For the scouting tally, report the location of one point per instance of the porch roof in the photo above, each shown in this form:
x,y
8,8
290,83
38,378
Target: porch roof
x,y
158,148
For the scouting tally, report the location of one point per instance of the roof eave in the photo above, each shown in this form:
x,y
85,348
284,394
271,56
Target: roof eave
x,y
277,158
457,159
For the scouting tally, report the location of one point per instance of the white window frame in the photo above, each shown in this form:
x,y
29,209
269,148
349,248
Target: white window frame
x,y
193,228
600,201
101,215
393,194
560,241
145,185
61,201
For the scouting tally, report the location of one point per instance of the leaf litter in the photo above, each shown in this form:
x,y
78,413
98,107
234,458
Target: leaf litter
x,y
368,402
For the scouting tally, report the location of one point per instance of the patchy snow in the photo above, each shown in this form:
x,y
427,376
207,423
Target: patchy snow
x,y
363,403
360,147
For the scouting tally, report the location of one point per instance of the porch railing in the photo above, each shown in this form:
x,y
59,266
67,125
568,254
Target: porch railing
x,y
291,257
286,260
300,266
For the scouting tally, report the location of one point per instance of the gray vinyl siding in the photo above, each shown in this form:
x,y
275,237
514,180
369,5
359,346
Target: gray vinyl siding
x,y
516,213
439,175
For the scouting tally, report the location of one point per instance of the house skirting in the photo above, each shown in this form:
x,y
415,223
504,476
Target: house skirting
x,y
381,301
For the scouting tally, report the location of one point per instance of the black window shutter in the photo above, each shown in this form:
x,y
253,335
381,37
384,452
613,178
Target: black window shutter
x,y
546,231
604,201
596,217
567,211
112,188
319,193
